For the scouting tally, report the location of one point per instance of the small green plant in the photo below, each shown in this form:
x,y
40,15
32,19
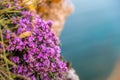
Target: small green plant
x,y
6,14
29,49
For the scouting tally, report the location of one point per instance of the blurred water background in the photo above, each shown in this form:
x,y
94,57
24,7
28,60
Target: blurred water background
x,y
91,38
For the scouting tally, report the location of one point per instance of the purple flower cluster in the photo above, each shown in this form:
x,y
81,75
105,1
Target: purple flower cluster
x,y
37,52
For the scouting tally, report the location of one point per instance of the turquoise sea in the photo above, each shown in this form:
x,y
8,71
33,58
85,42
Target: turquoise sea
x,y
91,38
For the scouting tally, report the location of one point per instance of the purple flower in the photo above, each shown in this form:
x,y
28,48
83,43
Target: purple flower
x,y
15,59
38,53
33,78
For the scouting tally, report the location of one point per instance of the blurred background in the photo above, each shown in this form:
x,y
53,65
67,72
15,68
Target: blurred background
x,y
91,38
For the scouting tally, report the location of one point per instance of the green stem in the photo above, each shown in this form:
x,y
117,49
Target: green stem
x,y
14,11
1,77
8,61
4,52
7,9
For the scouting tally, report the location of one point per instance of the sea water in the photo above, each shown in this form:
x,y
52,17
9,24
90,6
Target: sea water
x,y
91,38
